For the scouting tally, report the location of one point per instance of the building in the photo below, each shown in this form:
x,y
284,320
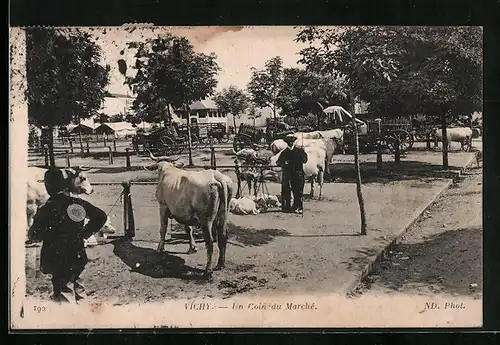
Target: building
x,y
203,112
116,129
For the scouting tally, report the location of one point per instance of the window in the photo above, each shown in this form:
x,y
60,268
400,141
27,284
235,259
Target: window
x,y
202,114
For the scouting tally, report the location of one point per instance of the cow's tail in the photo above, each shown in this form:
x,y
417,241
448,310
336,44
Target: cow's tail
x,y
222,214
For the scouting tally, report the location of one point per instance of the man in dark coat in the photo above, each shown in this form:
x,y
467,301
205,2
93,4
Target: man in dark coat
x,y
291,160
60,225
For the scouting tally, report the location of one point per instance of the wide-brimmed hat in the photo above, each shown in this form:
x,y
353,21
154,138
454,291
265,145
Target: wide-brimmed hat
x,y
289,139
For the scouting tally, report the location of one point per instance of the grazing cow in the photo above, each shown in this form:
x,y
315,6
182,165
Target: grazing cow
x,y
194,198
37,194
318,152
463,135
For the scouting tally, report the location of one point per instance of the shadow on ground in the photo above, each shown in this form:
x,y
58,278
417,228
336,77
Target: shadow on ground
x,y
116,170
253,237
458,254
148,262
390,172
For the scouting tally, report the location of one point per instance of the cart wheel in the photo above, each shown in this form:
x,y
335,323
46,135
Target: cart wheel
x,y
204,142
240,142
405,140
195,141
166,146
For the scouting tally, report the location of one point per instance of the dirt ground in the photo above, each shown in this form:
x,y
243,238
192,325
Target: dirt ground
x,y
267,253
442,253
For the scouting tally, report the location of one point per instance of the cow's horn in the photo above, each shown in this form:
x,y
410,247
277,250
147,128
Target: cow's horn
x,y
152,156
151,167
80,168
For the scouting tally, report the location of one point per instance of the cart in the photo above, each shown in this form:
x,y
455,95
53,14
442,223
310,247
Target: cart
x,y
164,141
378,133
248,136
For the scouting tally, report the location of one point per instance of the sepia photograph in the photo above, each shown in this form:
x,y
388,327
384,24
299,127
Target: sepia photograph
x,y
245,176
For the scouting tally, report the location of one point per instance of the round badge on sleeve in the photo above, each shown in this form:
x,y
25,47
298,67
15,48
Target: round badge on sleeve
x,y
76,212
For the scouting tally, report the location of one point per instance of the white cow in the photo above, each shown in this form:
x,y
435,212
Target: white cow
x,y
328,145
308,135
194,198
37,194
463,135
315,166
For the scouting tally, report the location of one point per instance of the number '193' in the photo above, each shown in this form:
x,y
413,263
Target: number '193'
x,y
39,309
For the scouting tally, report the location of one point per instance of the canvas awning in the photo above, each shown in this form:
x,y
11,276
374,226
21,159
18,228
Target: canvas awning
x,y
340,114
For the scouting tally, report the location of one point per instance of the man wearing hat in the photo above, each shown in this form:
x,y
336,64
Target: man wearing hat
x,y
291,160
60,225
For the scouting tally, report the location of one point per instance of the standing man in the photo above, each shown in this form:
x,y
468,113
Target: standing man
x,y
291,160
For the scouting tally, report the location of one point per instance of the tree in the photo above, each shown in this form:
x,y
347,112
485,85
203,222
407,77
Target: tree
x,y
404,70
302,91
323,60
101,118
132,118
116,118
169,71
253,114
232,100
65,81
265,85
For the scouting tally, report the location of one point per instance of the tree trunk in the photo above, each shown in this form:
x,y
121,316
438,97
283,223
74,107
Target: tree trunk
x,y
274,113
169,115
189,136
234,123
52,159
444,140
361,201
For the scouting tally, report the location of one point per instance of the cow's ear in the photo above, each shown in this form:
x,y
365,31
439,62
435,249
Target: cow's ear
x,y
178,164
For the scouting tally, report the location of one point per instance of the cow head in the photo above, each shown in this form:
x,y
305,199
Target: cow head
x,y
163,161
78,181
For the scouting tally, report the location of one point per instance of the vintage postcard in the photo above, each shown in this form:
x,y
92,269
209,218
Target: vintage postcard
x,y
277,176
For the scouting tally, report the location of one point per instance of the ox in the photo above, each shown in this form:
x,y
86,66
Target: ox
x,y
319,153
337,135
308,135
194,198
463,135
37,194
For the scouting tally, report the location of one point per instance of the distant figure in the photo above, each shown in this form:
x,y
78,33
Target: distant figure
x,y
291,160
60,224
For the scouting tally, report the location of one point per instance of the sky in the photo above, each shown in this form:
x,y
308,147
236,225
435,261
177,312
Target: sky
x,y
237,48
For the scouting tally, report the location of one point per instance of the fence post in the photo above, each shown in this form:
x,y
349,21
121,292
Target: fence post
x,y
128,214
397,152
213,163
68,164
379,154
46,154
88,147
110,155
71,145
238,178
190,153
114,145
127,157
